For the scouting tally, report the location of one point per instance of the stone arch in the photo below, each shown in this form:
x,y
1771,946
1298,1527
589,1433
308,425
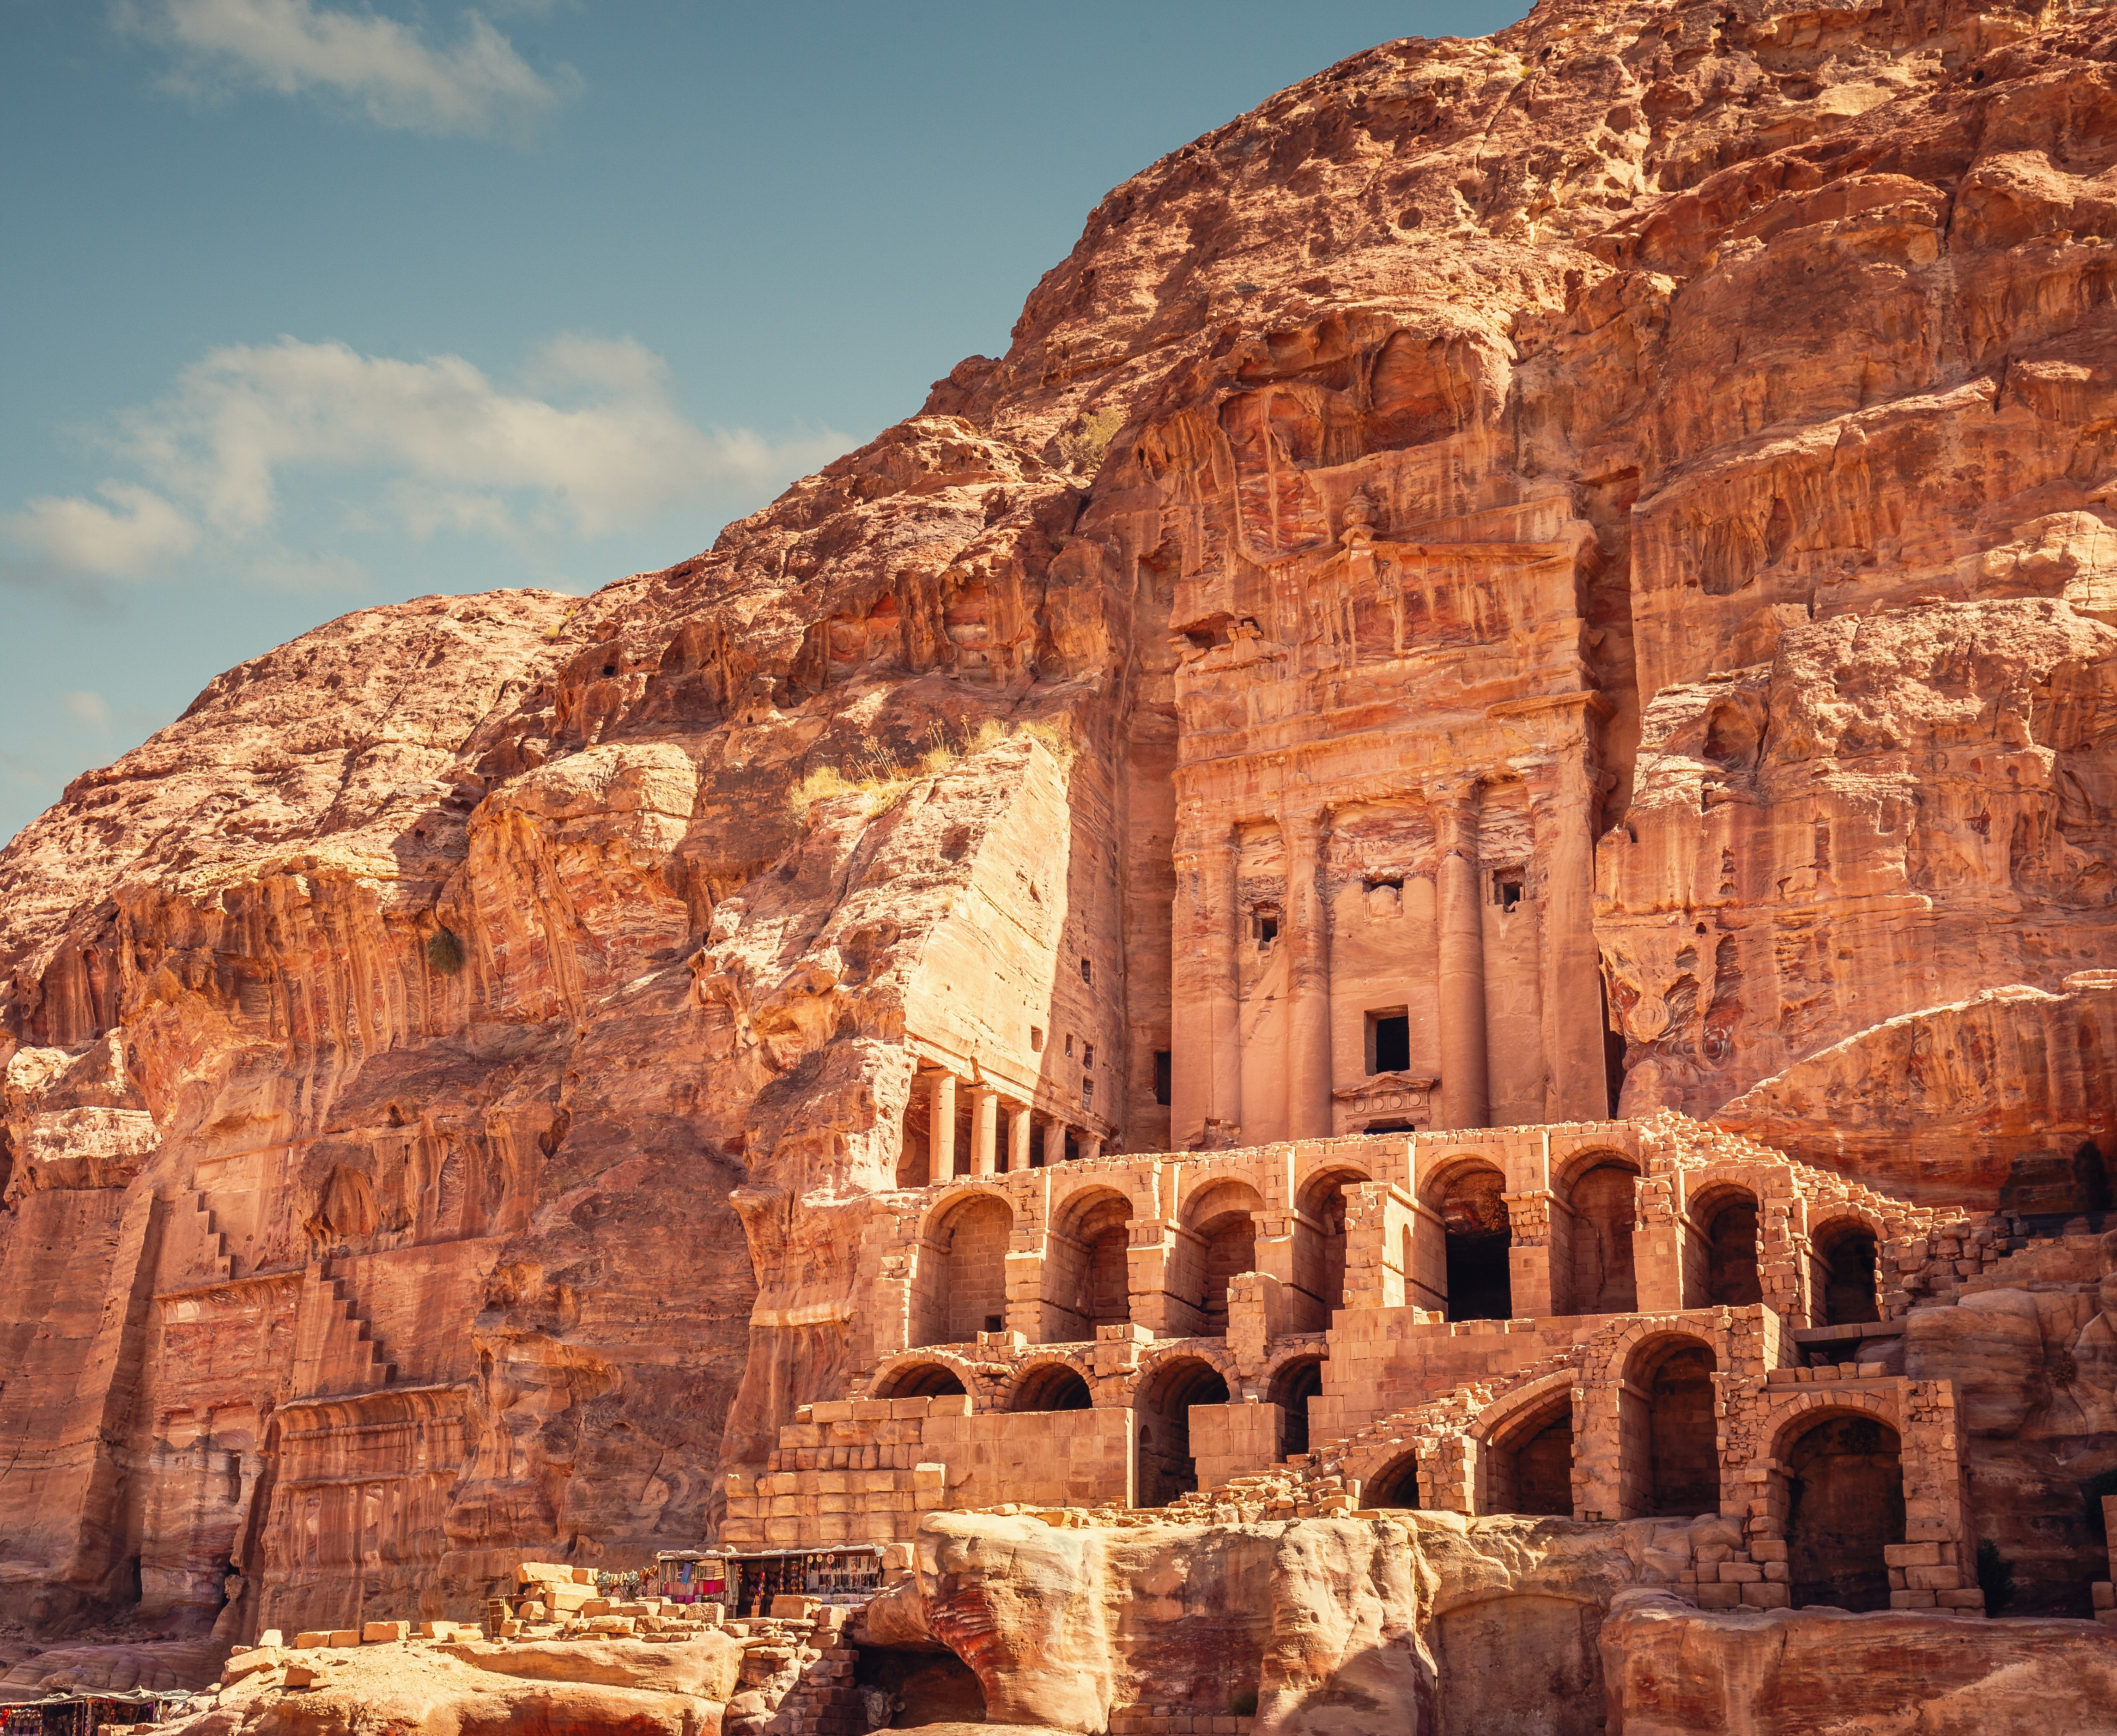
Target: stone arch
x,y
1290,1383
1319,1232
1222,1242
1395,1484
1722,1257
923,1374
1162,1421
1600,1189
1049,1383
1844,1271
1469,1197
1843,1469
961,1285
1525,1463
1087,1277
1669,1459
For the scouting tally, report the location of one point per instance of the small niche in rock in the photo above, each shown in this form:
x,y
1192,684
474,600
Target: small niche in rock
x,y
922,1687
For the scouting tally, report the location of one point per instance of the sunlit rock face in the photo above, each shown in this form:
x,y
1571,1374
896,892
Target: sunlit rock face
x,y
1522,581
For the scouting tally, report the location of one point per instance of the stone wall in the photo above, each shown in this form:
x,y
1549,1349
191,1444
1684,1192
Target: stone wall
x,y
863,1470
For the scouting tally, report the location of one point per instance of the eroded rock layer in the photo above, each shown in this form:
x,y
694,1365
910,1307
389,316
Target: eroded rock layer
x,y
1522,580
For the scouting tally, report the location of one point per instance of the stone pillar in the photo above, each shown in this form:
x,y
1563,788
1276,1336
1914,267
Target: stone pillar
x,y
1308,981
1205,1066
1091,1147
1563,812
941,1128
985,1130
1465,1096
1017,1136
1054,1143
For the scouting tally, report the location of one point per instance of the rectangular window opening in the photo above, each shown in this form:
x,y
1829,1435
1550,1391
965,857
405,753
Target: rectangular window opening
x,y
1389,1039
1087,970
1161,1077
1508,887
1087,1056
1069,1045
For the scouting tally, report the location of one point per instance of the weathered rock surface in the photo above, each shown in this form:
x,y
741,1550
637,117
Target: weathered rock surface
x,y
1432,1624
447,1078
448,1692
1669,1669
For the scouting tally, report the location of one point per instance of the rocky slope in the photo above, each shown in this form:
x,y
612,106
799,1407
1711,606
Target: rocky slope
x,y
445,1070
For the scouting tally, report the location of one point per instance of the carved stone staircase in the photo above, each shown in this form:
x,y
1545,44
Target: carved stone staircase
x,y
336,1348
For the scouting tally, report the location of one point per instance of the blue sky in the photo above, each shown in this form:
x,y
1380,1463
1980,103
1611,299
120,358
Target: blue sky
x,y
307,305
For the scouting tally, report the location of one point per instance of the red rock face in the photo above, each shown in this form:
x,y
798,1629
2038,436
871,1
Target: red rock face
x,y
1603,533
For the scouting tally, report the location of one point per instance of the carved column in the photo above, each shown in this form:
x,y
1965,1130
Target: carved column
x,y
1054,1143
1563,812
1308,978
1091,1147
1206,1067
1017,1136
985,1130
941,1128
1465,1096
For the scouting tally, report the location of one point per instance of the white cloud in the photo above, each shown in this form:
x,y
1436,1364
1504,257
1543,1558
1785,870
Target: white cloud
x,y
77,536
385,69
90,708
408,447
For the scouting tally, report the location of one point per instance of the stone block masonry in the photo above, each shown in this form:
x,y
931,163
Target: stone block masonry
x,y
864,1471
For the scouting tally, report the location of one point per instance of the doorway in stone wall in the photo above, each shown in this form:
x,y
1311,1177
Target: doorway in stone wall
x,y
1668,1434
1842,1289
1394,1485
1528,1461
962,1269
1085,1270
1161,1420
1319,1236
1845,1504
1473,1218
1722,1271
1292,1387
1220,1218
1604,1202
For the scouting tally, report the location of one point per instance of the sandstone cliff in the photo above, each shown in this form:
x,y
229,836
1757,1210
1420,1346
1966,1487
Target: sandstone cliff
x,y
449,1070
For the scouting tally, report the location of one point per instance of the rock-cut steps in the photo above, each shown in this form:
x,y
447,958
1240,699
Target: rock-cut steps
x,y
336,1348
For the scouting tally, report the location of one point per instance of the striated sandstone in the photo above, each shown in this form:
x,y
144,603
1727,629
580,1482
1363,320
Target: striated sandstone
x,y
1520,582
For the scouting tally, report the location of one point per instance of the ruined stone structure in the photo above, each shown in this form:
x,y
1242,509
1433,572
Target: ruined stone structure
x,y
1440,868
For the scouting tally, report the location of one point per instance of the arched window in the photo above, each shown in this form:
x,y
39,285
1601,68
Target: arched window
x,y
1670,1461
920,1380
1845,1504
1054,1387
1842,1288
1292,1387
1604,1203
1162,1418
1474,1215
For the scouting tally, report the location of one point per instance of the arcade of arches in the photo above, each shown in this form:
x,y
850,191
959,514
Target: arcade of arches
x,y
1570,1319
